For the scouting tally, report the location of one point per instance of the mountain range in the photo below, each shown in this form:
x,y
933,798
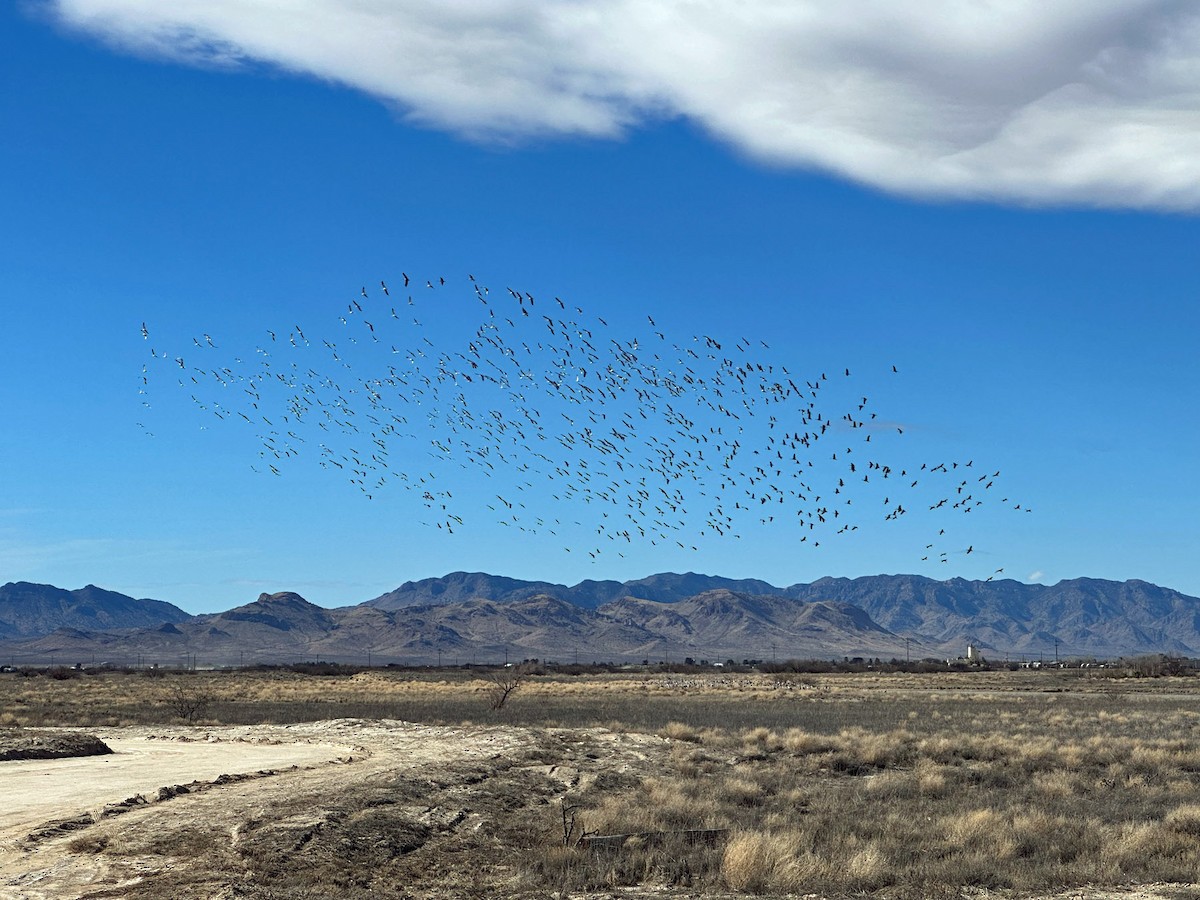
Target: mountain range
x,y
31,610
478,617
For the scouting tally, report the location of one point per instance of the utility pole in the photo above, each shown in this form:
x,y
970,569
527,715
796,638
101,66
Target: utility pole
x,y
907,658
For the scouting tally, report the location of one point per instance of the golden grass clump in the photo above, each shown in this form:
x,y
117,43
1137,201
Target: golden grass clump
x,y
931,779
894,786
865,866
797,740
672,805
879,751
741,791
974,828
678,731
1060,783
761,738
1184,819
757,862
691,761
1136,841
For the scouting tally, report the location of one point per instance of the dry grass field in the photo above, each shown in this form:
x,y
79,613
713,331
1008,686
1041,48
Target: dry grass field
x,y
1022,784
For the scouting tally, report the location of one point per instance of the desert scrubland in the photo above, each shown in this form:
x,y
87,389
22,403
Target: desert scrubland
x,y
284,783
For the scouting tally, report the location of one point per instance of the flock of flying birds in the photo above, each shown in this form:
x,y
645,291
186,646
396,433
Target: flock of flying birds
x,y
569,423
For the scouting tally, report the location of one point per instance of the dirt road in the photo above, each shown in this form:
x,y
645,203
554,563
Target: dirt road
x,y
36,791
225,812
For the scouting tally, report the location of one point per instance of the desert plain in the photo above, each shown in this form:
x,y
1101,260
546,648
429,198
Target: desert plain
x,y
319,781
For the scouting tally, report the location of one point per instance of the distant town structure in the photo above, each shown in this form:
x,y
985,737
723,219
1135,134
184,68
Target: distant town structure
x,y
973,655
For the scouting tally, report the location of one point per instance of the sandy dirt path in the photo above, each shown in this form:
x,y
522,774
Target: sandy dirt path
x,y
46,805
37,791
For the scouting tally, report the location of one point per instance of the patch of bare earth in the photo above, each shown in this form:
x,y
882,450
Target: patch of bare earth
x,y
376,808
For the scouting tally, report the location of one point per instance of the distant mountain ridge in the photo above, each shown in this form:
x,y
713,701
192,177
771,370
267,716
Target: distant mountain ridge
x,y
666,587
1085,615
282,627
484,617
32,609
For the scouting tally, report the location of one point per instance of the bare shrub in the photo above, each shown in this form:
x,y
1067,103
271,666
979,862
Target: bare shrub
x,y
503,683
187,698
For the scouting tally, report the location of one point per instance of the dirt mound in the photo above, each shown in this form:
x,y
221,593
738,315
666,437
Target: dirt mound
x,y
25,743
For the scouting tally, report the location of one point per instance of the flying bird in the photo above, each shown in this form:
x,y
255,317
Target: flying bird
x,y
661,440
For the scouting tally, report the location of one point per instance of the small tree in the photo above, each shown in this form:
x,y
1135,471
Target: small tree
x,y
187,698
503,683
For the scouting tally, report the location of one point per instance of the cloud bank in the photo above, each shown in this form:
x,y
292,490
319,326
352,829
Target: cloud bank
x,y
1016,101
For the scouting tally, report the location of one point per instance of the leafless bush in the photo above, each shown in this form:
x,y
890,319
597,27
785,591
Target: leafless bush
x,y
187,698
503,683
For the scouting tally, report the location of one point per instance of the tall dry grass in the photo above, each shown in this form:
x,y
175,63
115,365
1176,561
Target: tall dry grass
x,y
1028,793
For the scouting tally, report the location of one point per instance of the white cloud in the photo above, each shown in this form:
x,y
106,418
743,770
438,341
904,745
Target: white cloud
x,y
1094,103
1036,576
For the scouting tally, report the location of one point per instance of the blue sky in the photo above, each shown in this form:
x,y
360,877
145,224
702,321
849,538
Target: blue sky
x,y
1022,251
